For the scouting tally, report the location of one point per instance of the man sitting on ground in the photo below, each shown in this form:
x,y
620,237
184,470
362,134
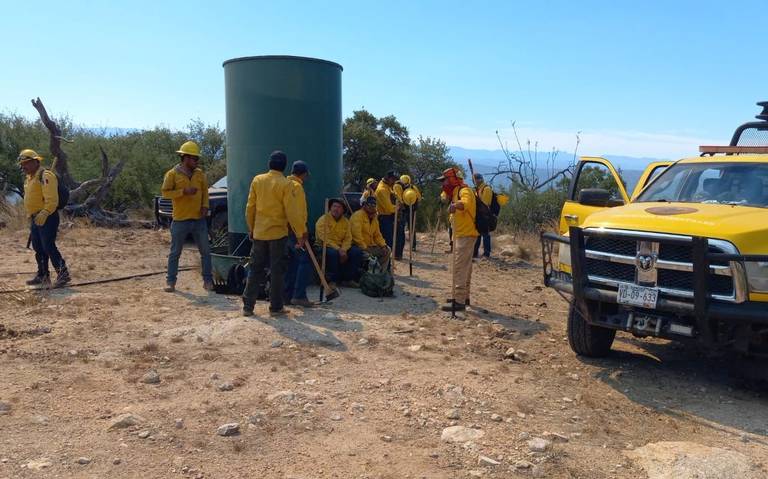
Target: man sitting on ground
x,y
342,259
366,233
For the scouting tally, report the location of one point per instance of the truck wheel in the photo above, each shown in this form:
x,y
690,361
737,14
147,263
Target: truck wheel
x,y
588,340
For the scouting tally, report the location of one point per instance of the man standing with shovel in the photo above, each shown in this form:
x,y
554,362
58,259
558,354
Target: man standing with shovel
x,y
271,207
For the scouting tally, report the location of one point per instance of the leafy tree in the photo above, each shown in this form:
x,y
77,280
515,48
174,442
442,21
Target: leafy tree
x,y
372,146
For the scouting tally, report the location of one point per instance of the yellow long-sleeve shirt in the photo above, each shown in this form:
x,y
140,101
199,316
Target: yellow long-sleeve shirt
x,y
41,192
464,220
365,231
272,207
339,232
299,202
384,194
485,192
185,207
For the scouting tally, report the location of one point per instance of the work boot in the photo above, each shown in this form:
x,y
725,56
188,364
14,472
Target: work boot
x,y
62,278
247,310
169,287
453,306
40,278
303,302
278,312
208,285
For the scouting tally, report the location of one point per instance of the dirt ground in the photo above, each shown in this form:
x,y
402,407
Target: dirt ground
x,y
359,388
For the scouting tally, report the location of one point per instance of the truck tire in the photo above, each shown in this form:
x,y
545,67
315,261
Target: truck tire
x,y
588,340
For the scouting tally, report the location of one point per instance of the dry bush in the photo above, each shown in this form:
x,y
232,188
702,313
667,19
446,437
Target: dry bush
x,y
13,215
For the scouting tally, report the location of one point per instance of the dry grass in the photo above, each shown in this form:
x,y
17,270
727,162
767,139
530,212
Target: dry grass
x,y
13,216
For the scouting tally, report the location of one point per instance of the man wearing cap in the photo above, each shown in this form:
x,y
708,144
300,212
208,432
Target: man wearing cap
x,y
270,212
299,269
41,204
333,231
366,233
187,188
485,193
463,208
386,203
370,190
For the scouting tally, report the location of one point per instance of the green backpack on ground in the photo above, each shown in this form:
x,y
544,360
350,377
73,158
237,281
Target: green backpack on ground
x,y
376,282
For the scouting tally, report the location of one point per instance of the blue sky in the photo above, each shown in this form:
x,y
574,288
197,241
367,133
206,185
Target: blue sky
x,y
636,78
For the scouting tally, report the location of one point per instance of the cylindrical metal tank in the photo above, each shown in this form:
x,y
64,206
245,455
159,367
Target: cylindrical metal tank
x,y
283,103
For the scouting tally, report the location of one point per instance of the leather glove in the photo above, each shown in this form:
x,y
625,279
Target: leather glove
x,y
41,217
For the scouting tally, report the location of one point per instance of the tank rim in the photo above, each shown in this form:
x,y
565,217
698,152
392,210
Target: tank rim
x,y
281,57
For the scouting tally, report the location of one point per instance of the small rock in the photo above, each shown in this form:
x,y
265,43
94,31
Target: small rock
x,y
362,342
461,434
39,464
285,396
125,420
277,343
151,377
116,461
496,418
386,438
256,418
407,412
520,355
214,376
487,461
38,419
230,429
522,465
84,460
5,408
523,436
521,415
227,386
331,317
308,407
179,424
336,417
358,407
538,444
144,434
509,353
415,348
453,414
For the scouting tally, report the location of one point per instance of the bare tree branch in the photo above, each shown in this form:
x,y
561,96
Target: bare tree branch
x,y
61,163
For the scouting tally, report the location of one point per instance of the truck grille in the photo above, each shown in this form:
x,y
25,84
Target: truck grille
x,y
165,206
612,258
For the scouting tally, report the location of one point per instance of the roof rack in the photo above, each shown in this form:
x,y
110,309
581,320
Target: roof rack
x,y
733,150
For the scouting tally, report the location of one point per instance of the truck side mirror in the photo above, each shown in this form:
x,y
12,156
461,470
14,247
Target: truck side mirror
x,y
594,197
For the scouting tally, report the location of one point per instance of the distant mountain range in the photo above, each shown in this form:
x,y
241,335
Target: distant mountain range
x,y
491,158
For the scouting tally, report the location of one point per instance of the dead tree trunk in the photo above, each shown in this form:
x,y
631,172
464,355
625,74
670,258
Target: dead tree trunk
x,y
86,198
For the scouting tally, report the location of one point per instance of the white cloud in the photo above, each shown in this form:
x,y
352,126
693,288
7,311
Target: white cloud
x,y
593,142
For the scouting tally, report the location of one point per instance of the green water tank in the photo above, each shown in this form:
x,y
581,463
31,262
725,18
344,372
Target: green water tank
x,y
283,103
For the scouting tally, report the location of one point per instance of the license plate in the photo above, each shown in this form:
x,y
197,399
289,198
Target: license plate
x,y
634,295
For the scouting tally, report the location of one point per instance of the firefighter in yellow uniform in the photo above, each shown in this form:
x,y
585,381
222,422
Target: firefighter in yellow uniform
x,y
187,188
401,186
271,209
366,233
463,208
386,202
299,269
370,190
484,191
41,204
333,231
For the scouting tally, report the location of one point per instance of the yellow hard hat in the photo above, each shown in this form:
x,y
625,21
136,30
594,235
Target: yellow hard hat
x,y
405,179
27,155
502,199
370,181
189,148
410,197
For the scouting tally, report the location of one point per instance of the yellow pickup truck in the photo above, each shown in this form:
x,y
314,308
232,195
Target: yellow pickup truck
x,y
683,257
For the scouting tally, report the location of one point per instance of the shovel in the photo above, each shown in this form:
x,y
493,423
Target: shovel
x,y
329,293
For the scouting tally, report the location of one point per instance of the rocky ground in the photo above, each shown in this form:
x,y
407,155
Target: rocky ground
x,y
123,380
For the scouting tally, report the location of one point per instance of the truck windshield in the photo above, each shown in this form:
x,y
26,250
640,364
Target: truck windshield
x,y
730,183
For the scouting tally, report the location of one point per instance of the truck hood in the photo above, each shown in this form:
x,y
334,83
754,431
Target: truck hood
x,y
217,191
744,226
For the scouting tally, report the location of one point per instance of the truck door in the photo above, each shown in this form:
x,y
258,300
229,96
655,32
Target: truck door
x,y
596,185
651,172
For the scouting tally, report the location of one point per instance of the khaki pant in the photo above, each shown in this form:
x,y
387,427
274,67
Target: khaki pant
x,y
462,267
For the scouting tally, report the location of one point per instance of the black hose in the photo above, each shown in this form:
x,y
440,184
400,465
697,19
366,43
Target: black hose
x,y
95,281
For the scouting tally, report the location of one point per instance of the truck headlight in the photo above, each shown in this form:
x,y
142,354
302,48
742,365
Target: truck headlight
x,y
757,274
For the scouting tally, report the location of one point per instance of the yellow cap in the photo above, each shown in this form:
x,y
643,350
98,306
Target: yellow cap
x,y
405,179
28,155
189,148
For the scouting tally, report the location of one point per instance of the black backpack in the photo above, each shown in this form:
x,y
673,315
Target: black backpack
x,y
485,220
61,189
495,206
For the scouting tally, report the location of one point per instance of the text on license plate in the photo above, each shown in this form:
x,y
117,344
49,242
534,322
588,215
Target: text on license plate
x,y
638,295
